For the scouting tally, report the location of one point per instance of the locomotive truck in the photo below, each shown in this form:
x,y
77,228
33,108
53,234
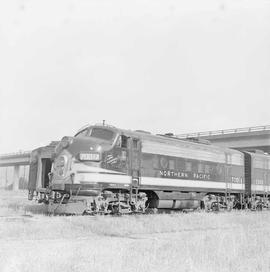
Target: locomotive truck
x,y
104,169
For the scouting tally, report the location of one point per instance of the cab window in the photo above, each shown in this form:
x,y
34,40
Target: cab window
x,y
102,133
122,141
82,133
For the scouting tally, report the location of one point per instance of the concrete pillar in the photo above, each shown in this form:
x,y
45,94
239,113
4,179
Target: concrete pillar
x,y
16,176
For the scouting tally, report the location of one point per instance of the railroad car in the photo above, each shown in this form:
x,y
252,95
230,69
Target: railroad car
x,y
40,166
257,173
103,169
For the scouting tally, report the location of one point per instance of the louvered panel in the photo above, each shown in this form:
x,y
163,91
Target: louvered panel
x,y
237,159
258,163
184,152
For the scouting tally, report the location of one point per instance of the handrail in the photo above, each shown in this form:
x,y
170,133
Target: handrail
x,y
224,131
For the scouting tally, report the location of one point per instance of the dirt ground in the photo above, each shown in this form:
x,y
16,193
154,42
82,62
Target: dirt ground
x,y
32,241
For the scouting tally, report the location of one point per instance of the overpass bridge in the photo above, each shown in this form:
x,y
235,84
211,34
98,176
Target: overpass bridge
x,y
246,138
14,167
12,159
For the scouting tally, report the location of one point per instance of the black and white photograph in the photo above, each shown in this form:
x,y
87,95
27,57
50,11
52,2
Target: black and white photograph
x,y
135,136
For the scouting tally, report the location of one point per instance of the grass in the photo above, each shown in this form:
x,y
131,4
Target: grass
x,y
236,241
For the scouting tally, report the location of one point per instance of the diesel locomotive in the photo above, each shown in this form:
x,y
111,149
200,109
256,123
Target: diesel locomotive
x,y
104,169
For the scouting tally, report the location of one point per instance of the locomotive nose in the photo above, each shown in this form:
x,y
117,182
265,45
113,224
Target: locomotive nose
x,y
85,149
76,146
93,154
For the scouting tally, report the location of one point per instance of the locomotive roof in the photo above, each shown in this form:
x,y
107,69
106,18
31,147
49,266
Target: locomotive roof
x,y
146,136
260,160
181,142
257,154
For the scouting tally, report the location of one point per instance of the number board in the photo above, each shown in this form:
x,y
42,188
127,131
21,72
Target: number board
x,y
89,156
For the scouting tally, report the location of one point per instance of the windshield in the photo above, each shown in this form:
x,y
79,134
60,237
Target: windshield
x,y
102,133
82,133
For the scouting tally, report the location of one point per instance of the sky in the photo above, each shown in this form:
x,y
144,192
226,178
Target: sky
x,y
162,66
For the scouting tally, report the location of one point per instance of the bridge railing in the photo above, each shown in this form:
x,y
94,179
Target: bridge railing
x,y
14,154
224,131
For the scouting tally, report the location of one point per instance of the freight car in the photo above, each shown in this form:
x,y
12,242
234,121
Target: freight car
x,y
257,177
103,169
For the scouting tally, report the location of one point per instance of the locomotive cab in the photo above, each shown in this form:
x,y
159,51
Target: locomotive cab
x,y
91,158
100,165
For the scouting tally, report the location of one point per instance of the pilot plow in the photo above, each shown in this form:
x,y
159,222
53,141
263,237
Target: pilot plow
x,y
106,202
